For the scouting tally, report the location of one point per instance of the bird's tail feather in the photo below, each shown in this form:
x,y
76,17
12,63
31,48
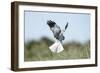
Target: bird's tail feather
x,y
56,47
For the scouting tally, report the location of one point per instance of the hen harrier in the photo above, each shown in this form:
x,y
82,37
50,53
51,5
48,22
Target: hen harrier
x,y
58,33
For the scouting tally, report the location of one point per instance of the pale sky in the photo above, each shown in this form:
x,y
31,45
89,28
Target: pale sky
x,y
36,25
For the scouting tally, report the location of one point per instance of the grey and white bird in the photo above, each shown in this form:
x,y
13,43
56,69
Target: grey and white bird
x,y
58,33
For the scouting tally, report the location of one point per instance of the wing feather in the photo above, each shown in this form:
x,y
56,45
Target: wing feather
x,y
66,26
54,28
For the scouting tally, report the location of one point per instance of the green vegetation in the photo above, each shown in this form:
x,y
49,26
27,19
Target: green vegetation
x,y
39,50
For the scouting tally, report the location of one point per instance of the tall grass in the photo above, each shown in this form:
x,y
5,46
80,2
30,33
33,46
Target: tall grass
x,y
39,50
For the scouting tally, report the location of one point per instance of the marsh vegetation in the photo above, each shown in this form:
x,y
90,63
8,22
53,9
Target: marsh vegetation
x,y
39,50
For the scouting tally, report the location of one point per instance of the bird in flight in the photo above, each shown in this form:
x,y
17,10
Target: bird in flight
x,y
57,32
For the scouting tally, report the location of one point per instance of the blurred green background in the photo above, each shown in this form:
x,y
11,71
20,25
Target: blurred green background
x,y
39,50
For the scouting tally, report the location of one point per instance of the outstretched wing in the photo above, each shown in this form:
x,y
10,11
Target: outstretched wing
x,y
54,28
66,26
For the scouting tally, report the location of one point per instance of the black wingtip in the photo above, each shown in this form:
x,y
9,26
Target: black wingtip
x,y
66,26
51,23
